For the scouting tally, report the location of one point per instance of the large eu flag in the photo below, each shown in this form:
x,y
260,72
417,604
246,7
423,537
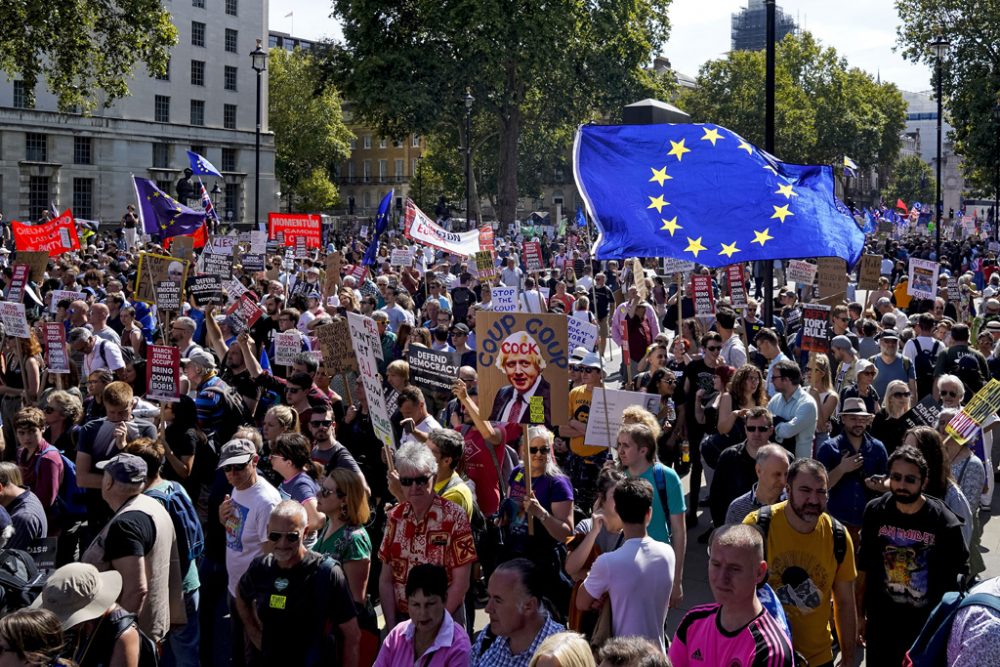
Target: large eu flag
x,y
703,193
161,214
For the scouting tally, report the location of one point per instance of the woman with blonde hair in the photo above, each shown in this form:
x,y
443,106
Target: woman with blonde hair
x,y
278,420
820,388
889,426
563,649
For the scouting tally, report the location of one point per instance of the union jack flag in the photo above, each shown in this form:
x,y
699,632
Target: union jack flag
x,y
206,203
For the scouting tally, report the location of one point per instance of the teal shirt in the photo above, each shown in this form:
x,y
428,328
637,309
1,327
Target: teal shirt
x,y
659,525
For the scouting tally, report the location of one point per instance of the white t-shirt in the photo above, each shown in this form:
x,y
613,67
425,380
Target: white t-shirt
x,y
638,576
424,427
247,533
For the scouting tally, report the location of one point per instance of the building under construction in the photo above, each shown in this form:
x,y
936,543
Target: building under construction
x,y
750,27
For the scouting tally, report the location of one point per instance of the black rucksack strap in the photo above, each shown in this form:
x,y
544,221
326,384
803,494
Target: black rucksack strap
x,y
839,541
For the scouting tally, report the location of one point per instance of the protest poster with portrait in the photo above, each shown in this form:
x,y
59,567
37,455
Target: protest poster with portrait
x,y
163,377
704,297
432,370
522,362
243,313
56,353
154,269
815,327
923,278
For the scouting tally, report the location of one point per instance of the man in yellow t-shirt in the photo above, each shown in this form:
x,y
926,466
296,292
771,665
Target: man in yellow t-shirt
x,y
802,557
584,462
447,445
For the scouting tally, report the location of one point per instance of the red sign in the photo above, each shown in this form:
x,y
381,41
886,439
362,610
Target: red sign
x,y
737,287
290,226
704,297
486,238
533,256
56,236
163,376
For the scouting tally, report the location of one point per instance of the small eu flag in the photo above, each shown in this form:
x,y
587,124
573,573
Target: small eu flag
x,y
202,167
850,168
381,222
703,193
161,215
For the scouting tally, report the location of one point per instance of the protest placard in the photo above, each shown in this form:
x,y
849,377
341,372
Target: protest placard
x,y
581,333
153,269
258,241
60,295
335,343
57,356
737,287
504,299
38,261
923,278
19,278
486,238
216,265
56,236
182,247
522,361
243,313
605,416
163,378
954,293
639,278
815,327
704,298
420,228
968,422
401,257
334,261
367,345
533,256
301,252
801,272
287,345
221,245
831,276
486,266
168,295
433,370
234,289
672,266
870,271
885,227
286,227
252,261
15,323
924,413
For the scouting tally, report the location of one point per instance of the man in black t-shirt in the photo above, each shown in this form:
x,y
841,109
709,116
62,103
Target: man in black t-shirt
x,y
296,604
462,298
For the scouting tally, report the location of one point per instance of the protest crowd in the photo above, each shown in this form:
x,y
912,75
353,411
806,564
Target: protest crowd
x,y
304,446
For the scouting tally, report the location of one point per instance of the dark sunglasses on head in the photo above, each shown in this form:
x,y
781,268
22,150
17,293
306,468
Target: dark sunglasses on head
x,y
275,536
410,481
539,450
757,429
909,479
235,467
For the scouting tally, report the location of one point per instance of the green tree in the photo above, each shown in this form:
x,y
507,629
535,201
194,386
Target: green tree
x,y
824,109
84,50
971,73
531,67
309,132
911,180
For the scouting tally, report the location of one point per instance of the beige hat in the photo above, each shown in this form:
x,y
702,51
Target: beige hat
x,y
78,592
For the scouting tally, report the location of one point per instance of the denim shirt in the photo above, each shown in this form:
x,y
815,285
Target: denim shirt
x,y
850,495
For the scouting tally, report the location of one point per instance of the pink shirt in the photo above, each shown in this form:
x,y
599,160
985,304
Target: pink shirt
x,y
451,647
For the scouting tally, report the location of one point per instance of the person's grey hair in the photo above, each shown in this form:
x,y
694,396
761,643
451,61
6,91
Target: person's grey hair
x,y
889,321
552,468
380,316
416,457
739,535
79,334
186,322
769,450
951,379
291,509
946,415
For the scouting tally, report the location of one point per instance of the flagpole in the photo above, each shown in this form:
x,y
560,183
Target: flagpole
x,y
769,85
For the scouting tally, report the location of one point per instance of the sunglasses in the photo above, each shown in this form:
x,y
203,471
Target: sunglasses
x,y
714,348
410,481
320,422
901,394
539,450
668,380
326,493
757,429
950,394
50,410
235,467
909,479
275,536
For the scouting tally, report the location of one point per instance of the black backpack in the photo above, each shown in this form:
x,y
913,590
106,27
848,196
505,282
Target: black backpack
x,y
764,516
967,370
20,581
234,414
923,366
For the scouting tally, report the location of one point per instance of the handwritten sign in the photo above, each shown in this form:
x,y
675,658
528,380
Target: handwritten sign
x,y
401,257
368,348
672,266
14,321
57,356
798,271
704,298
287,345
606,409
335,343
153,269
504,299
581,333
182,247
163,378
815,327
870,271
831,276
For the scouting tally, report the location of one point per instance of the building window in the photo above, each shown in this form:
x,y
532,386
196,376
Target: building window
x,y
197,33
36,147
161,109
230,78
83,198
197,72
415,141
350,171
229,116
413,167
38,196
383,170
354,144
381,142
231,40
166,73
198,3
83,150
228,159
197,112
161,156
200,149
273,41
368,142
396,143
399,169
23,99
367,170
366,200
231,7
232,201
165,186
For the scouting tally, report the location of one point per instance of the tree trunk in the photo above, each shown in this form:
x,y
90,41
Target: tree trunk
x,y
510,131
474,217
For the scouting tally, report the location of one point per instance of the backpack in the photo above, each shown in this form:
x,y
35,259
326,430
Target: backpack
x,y
931,646
20,581
661,490
764,516
190,536
924,364
234,413
149,654
69,503
967,370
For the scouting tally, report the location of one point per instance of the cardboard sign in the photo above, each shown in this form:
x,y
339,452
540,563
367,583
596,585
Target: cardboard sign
x,y
258,241
368,348
38,261
831,276
639,279
504,299
737,287
815,327
486,266
286,227
56,354
56,236
704,298
287,346
168,295
243,313
154,269
533,256
798,271
581,333
672,266
221,245
335,343
923,278
869,272
433,370
606,409
15,323
216,265
522,355
182,247
65,295
163,375
18,280
401,257
333,263
924,413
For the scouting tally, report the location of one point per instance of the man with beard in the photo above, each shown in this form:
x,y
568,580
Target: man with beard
x,y
182,336
811,560
912,553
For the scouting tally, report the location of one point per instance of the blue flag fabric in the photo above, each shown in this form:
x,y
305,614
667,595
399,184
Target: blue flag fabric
x,y
870,226
162,215
381,222
702,193
265,361
581,219
202,167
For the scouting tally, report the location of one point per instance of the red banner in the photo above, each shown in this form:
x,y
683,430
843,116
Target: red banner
x,y
294,225
56,236
486,238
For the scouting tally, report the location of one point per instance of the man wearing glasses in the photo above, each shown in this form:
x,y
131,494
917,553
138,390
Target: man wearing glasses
x,y
912,553
295,603
795,408
244,514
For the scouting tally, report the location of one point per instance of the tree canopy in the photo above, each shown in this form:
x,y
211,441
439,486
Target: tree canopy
x,y
912,180
84,50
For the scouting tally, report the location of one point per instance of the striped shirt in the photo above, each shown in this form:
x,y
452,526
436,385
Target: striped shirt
x,y
701,640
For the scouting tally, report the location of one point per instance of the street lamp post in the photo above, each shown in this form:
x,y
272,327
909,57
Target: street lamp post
x,y
939,47
258,61
420,179
216,191
996,176
469,99
769,86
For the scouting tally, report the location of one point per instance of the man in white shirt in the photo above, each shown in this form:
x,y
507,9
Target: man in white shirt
x,y
733,352
767,345
511,274
415,416
97,353
98,318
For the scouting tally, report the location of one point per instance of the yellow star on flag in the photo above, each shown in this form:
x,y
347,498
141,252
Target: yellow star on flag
x,y
711,135
781,212
786,190
745,146
677,148
762,237
658,203
728,250
155,193
670,225
660,175
694,246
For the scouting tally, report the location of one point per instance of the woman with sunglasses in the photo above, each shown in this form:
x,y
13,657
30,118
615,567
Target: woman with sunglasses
x,y
863,387
63,411
290,458
821,390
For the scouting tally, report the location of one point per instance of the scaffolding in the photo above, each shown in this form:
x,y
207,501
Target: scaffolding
x,y
749,27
